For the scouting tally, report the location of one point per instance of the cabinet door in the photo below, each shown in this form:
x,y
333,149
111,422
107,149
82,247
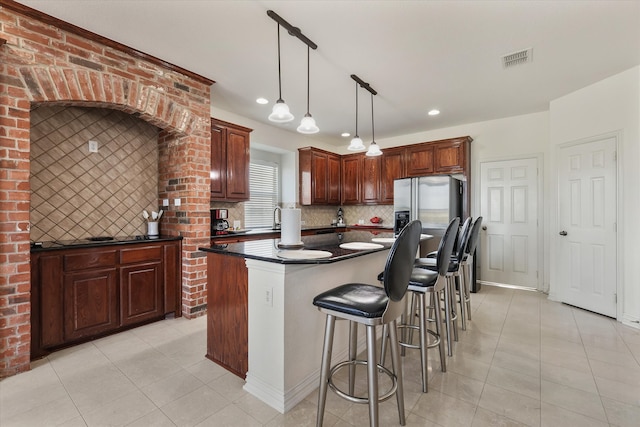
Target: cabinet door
x,y
392,162
319,178
350,166
237,165
371,175
333,172
227,313
218,163
90,303
141,296
419,160
449,157
172,277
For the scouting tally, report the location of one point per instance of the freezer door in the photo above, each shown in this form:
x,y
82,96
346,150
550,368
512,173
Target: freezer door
x,y
402,195
435,202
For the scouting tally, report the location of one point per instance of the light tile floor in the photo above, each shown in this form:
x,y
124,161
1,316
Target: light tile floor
x,y
523,360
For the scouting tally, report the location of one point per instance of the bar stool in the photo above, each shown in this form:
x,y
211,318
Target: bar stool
x,y
422,282
371,306
454,270
467,264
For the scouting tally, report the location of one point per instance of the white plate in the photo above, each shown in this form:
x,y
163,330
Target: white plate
x,y
361,245
304,254
384,239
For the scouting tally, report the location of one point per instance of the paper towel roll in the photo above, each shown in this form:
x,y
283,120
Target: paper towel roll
x,y
290,227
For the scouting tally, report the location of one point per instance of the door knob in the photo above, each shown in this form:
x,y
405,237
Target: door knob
x,y
484,227
563,233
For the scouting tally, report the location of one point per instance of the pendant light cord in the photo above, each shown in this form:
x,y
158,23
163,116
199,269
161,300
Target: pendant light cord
x,y
279,72
373,132
308,84
357,111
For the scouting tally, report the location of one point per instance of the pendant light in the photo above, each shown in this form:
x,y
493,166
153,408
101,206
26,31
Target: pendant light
x,y
356,143
373,150
308,124
280,113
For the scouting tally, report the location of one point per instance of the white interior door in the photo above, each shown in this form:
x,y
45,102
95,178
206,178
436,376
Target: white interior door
x,y
509,206
587,225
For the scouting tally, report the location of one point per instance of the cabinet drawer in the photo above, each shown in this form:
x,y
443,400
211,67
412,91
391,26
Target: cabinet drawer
x,y
86,260
145,253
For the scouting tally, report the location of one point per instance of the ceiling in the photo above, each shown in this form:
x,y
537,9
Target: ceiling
x,y
418,55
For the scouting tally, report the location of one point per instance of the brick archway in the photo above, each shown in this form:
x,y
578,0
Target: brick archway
x,y
44,60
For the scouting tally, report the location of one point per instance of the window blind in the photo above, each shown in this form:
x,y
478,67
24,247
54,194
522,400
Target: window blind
x,y
264,187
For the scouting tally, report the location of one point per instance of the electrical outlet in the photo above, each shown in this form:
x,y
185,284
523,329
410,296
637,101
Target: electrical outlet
x,y
165,202
268,297
93,146
176,202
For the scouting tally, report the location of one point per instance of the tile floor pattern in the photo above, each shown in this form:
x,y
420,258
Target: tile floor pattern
x,y
524,361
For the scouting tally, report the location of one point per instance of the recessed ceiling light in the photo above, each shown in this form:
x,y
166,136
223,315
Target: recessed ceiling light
x,y
434,112
345,134
262,101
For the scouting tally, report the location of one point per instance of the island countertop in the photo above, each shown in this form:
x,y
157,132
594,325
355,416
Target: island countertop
x,y
267,249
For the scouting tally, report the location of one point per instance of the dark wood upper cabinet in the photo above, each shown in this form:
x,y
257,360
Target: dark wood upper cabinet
x,y
230,155
371,176
333,165
319,177
355,179
419,160
450,156
351,171
392,168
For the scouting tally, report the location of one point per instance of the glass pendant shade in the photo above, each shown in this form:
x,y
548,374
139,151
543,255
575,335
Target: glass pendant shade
x,y
356,144
308,125
374,150
280,113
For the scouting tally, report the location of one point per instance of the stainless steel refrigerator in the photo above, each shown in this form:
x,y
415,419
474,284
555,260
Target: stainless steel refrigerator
x,y
434,200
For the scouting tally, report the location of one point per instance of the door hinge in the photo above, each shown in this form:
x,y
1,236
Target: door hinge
x,y
615,156
615,297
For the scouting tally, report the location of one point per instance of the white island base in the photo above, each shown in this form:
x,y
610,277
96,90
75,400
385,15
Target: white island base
x,y
285,330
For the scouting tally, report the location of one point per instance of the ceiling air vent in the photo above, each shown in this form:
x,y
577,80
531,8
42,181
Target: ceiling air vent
x,y
517,58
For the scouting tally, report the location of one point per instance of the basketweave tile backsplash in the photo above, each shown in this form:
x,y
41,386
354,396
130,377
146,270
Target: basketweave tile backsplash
x,y
76,193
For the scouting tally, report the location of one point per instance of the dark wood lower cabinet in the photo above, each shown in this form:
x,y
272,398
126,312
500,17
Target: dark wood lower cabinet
x,y
83,293
90,303
141,292
227,315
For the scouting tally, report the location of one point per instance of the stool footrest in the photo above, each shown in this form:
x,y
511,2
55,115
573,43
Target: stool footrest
x,y
356,399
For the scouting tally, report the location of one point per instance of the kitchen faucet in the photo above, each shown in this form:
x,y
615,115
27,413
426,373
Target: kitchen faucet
x,y
277,223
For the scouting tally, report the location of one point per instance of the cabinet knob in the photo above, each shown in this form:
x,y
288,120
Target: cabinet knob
x,y
563,233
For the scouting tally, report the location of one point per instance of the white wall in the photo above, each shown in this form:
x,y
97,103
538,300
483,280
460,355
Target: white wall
x,y
607,107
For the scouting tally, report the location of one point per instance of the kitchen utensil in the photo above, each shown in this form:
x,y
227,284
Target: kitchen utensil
x,y
154,215
160,214
145,214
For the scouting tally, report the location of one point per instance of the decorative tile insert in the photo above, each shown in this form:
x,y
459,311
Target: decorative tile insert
x,y
77,193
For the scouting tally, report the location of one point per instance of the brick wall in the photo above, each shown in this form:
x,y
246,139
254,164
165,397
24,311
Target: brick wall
x,y
44,60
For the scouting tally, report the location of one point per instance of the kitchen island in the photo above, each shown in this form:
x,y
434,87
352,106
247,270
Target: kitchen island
x,y
261,321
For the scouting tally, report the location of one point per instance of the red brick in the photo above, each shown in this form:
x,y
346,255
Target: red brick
x,y
72,84
96,86
83,43
60,83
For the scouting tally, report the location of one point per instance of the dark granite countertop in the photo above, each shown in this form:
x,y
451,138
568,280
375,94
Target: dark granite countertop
x,y
320,229
87,243
267,249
